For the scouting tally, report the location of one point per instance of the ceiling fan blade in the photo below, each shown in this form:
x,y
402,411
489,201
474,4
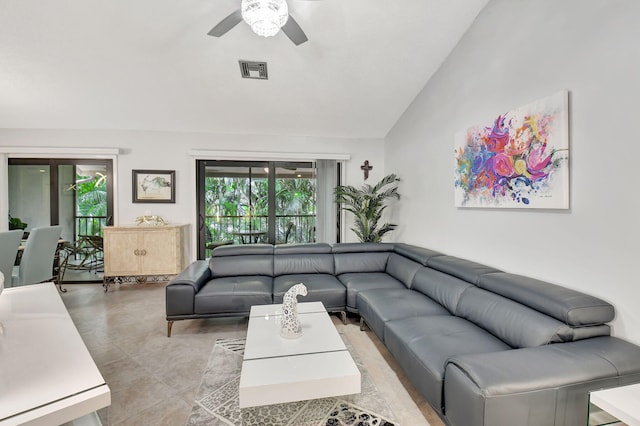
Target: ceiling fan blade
x,y
226,24
294,32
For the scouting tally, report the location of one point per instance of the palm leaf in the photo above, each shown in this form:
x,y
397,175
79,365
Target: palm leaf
x,y
367,204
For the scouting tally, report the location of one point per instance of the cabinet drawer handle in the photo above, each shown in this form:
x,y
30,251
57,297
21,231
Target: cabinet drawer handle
x,y
136,252
143,252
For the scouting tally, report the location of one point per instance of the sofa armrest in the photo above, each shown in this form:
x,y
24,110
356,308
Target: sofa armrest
x,y
542,385
181,290
196,275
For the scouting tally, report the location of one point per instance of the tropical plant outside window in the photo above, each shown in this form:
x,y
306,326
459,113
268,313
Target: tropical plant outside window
x,y
91,202
240,203
89,194
234,204
73,193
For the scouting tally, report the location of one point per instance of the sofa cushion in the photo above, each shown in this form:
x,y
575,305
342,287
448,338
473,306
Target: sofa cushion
x,y
303,259
242,250
516,324
234,295
357,282
569,306
253,259
323,288
443,288
361,257
422,345
461,268
380,305
362,247
402,268
306,248
415,253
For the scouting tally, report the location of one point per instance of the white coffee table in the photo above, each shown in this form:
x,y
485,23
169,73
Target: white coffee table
x,y
621,402
277,370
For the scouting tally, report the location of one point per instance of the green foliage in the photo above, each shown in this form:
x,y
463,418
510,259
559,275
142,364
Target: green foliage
x,y
367,205
16,223
295,196
91,199
246,203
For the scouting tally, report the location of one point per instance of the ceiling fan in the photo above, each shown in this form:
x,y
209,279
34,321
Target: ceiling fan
x,y
266,18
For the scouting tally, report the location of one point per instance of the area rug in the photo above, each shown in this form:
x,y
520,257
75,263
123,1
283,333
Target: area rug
x,y
217,399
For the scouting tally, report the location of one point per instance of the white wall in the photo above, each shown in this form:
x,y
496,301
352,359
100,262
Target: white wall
x,y
170,151
517,52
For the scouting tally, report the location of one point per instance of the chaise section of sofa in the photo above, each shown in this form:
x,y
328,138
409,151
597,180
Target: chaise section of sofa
x,y
504,327
543,385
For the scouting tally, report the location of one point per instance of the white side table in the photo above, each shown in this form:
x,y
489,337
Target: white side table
x,y
622,402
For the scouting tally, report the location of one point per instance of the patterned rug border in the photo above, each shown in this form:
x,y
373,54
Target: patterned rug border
x,y
216,401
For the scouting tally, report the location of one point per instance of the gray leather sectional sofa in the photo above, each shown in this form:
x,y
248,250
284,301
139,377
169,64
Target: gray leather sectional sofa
x,y
484,347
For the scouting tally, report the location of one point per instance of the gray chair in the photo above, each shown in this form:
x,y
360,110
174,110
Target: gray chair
x,y
36,265
9,244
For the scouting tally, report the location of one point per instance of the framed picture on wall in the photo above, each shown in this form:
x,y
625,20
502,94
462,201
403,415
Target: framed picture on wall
x,y
518,159
154,186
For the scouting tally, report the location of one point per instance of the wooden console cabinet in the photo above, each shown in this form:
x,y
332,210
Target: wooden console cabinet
x,y
140,251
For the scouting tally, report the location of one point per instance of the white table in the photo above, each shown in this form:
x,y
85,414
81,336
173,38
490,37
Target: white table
x,y
622,402
277,370
47,376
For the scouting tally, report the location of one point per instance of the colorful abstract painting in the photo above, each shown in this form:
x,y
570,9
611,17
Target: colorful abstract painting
x,y
519,159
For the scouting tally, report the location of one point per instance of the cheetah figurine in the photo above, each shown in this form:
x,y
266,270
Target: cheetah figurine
x,y
290,327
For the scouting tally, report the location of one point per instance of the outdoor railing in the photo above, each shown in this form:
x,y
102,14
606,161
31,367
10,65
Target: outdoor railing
x,y
90,225
290,229
88,238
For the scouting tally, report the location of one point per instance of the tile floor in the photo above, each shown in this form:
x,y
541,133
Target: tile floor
x,y
153,379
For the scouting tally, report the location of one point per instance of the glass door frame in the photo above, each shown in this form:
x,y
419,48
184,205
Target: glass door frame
x,y
202,164
53,163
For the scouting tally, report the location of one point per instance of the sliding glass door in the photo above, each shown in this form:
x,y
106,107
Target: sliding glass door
x,y
74,193
295,203
255,202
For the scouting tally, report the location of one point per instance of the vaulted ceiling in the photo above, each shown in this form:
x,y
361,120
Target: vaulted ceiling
x,y
149,65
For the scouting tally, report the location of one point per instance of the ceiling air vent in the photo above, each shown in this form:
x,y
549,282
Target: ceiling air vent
x,y
251,69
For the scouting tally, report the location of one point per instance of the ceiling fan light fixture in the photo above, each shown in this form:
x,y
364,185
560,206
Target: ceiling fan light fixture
x,y
265,17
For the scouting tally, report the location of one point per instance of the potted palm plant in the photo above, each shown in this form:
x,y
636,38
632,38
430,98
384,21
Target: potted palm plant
x,y
367,205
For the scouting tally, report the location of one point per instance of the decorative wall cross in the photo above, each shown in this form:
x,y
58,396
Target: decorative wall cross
x,y
365,168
